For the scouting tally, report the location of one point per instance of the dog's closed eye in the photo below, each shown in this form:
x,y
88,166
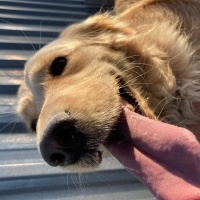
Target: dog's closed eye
x,y
58,66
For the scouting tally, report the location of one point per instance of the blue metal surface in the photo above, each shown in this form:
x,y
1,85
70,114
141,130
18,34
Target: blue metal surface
x,y
25,26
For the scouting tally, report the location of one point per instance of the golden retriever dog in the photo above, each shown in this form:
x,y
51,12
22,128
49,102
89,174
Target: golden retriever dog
x,y
145,56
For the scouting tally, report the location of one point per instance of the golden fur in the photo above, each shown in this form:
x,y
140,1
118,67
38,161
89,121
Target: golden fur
x,y
152,46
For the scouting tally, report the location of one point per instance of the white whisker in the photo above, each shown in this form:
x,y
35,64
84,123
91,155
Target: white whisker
x,y
21,32
40,42
7,125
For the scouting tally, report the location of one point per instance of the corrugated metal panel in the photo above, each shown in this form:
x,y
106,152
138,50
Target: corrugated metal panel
x,y
25,26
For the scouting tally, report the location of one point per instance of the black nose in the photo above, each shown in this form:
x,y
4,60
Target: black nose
x,y
62,143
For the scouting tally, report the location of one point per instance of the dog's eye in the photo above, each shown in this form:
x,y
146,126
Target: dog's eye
x,y
57,66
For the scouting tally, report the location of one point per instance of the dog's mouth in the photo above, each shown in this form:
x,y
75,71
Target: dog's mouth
x,y
127,96
74,147
83,156
64,144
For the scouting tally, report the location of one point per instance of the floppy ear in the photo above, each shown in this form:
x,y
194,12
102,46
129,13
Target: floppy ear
x,y
147,74
26,107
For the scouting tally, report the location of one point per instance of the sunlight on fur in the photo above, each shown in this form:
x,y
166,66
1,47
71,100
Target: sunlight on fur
x,y
148,50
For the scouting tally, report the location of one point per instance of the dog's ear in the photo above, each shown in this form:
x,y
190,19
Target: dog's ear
x,y
142,64
26,107
150,63
147,73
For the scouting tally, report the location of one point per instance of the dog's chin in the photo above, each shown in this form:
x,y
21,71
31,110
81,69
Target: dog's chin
x,y
88,162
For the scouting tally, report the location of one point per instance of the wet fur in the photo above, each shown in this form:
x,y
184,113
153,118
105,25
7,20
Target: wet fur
x,y
151,45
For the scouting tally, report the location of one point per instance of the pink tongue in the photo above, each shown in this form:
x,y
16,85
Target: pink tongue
x,y
164,157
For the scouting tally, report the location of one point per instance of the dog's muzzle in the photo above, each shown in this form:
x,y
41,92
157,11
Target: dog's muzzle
x,y
62,143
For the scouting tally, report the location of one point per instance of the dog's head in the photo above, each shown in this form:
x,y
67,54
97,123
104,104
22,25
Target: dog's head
x,y
75,87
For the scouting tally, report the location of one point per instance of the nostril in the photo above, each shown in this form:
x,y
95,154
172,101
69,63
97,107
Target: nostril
x,y
57,159
66,134
62,142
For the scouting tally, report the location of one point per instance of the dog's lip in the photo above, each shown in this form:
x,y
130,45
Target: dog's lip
x,y
126,95
84,153
121,126
94,152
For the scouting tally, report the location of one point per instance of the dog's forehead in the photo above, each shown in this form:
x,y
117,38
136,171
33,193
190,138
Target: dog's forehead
x,y
39,63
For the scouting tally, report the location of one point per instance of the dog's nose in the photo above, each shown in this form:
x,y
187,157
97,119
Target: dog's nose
x,y
62,143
